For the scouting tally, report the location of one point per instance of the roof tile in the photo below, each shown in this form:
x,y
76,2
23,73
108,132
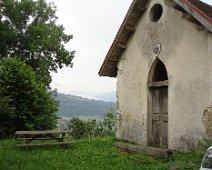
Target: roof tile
x,y
205,8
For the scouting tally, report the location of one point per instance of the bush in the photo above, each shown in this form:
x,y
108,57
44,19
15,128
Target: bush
x,y
92,127
25,101
109,123
77,126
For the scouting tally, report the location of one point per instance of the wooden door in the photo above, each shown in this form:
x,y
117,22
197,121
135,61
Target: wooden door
x,y
160,116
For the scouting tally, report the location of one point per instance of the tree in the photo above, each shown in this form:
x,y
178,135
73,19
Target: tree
x,y
25,101
109,122
5,111
90,125
28,29
77,127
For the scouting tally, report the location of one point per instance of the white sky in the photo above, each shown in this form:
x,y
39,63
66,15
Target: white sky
x,y
94,24
207,1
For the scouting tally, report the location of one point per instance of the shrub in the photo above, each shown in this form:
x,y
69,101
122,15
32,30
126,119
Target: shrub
x,y
92,127
109,123
77,126
25,101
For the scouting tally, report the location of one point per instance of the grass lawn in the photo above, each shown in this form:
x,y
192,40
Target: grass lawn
x,y
84,154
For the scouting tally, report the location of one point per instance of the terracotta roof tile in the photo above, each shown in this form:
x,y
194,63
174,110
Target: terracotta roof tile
x,y
205,8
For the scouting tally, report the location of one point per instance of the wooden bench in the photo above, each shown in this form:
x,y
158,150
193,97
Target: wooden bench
x,y
26,137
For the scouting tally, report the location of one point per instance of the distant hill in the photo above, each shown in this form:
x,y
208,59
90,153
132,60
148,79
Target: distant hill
x,y
71,105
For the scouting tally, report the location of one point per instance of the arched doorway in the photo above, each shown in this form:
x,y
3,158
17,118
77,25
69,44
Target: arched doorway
x,y
158,105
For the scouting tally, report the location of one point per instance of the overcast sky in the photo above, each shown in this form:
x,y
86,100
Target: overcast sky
x,y
94,24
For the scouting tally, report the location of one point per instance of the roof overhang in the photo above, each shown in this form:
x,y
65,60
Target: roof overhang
x,y
109,66
199,15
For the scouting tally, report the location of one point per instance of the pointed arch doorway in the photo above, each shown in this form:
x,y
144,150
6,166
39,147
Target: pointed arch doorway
x,y
158,105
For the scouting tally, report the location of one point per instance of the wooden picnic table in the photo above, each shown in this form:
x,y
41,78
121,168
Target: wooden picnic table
x,y
26,137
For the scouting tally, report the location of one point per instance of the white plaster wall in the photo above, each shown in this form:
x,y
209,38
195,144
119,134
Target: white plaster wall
x,y
186,52
210,61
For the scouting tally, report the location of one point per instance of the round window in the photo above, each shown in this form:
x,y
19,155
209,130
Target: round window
x,y
156,12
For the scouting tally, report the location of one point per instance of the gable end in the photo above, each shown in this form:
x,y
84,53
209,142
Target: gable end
x,y
199,10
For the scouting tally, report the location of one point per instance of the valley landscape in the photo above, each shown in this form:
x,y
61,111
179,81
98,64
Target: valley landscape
x,y
83,108
76,106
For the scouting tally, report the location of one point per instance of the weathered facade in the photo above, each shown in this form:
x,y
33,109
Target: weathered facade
x,y
162,58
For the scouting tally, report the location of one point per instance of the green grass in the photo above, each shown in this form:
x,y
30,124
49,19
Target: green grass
x,y
84,154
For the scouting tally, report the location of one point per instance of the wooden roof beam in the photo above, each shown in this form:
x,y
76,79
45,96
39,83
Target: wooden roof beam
x,y
108,73
113,60
139,9
122,46
109,66
130,29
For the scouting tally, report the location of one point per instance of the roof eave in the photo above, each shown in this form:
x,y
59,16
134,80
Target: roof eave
x,y
138,7
196,13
